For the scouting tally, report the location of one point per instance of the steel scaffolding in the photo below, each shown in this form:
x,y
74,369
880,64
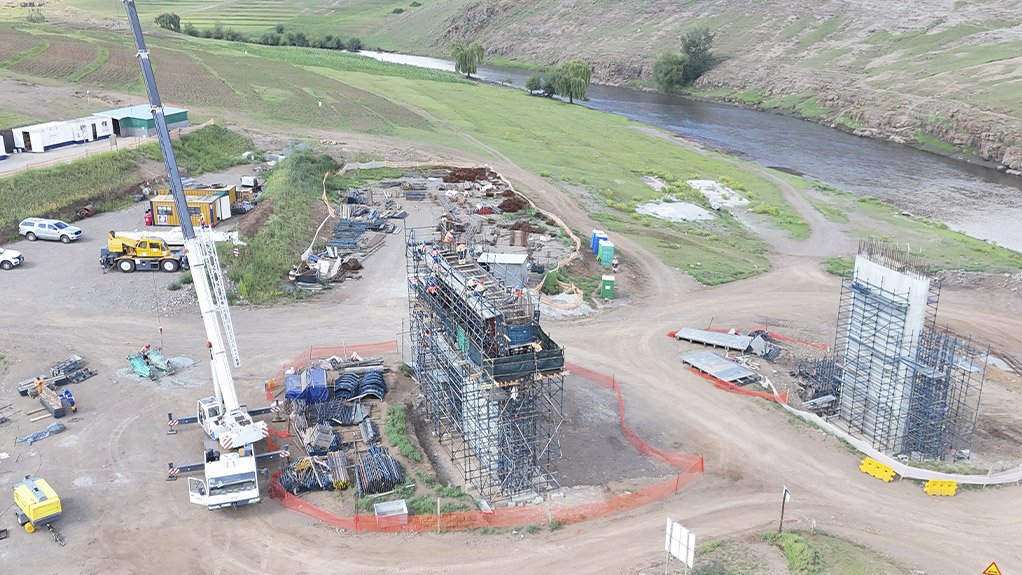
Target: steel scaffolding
x,y
492,379
906,386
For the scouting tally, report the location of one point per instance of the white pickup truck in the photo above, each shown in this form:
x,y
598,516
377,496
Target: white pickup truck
x,y
10,258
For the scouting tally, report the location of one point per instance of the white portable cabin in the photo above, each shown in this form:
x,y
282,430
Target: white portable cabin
x,y
43,137
3,150
91,128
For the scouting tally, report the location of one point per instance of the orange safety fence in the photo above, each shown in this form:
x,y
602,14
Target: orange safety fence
x,y
728,386
689,467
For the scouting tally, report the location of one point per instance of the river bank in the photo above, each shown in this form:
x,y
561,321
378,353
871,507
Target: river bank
x,y
967,196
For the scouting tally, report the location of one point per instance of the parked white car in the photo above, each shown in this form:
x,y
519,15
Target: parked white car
x,y
42,229
10,258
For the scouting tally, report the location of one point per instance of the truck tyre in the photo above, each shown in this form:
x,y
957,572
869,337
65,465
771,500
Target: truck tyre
x,y
126,266
65,239
30,237
169,265
6,265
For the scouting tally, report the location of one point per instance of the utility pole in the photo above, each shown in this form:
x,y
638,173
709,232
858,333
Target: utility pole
x,y
785,496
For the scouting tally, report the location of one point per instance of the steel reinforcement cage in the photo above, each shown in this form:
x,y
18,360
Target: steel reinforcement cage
x,y
493,381
911,394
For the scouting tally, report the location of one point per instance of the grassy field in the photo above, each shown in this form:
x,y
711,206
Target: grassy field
x,y
938,246
604,154
389,24
106,179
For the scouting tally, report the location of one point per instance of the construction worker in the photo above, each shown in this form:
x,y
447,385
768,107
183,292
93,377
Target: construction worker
x,y
462,251
614,263
145,349
448,237
39,383
148,217
70,399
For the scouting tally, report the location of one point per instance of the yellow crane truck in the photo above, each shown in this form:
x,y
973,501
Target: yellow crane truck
x,y
145,254
37,503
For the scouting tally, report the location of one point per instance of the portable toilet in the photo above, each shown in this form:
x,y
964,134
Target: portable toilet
x,y
594,239
606,252
597,238
607,287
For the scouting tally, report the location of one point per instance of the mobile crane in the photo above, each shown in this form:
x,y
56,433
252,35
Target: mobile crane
x,y
229,460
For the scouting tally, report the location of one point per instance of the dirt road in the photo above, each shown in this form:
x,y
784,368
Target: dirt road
x,y
122,517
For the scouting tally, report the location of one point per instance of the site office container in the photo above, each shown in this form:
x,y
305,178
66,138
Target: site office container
x,y
208,209
91,128
43,137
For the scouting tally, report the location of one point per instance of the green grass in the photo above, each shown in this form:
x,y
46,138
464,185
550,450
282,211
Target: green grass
x,y
209,149
725,557
842,557
396,431
10,119
803,558
959,467
929,142
32,52
292,188
937,246
839,266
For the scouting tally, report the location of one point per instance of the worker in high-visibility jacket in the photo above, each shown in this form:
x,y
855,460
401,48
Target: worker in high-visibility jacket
x,y
39,383
70,399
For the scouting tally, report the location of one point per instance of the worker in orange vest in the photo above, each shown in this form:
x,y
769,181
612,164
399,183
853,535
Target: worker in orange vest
x,y
39,383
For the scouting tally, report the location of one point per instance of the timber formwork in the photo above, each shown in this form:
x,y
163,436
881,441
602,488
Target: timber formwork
x,y
911,392
493,381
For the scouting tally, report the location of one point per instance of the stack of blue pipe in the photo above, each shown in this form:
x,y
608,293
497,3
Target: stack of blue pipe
x,y
378,472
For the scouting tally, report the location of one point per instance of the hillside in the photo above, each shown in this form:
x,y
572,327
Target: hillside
x,y
937,72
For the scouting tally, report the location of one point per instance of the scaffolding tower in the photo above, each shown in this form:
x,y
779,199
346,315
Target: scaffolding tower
x,y
906,386
493,381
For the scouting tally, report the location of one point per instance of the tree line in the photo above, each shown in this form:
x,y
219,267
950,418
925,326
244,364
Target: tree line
x,y
279,37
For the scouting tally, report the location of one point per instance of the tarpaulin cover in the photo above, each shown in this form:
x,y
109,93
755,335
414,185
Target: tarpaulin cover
x,y
292,386
315,386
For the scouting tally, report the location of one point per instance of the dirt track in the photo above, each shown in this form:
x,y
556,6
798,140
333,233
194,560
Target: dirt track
x,y
123,518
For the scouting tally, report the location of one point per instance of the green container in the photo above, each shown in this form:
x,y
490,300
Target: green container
x,y
606,253
607,287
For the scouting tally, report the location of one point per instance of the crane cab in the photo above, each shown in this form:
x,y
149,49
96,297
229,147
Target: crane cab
x,y
209,413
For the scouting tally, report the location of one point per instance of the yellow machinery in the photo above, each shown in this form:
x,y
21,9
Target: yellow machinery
x,y
129,254
37,503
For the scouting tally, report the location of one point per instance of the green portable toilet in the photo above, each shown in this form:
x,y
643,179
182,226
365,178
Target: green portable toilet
x,y
606,254
607,287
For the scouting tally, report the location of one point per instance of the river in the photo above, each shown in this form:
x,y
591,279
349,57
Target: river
x,y
976,200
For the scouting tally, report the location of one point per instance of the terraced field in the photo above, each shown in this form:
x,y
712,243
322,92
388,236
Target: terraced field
x,y
14,42
119,71
374,20
62,60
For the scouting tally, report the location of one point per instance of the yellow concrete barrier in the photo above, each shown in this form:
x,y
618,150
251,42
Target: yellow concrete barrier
x,y
941,488
874,468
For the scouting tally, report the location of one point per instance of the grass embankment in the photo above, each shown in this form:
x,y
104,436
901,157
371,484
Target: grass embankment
x,y
932,242
396,430
209,149
818,553
292,194
107,179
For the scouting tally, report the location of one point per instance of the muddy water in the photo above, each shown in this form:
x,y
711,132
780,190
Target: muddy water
x,y
974,199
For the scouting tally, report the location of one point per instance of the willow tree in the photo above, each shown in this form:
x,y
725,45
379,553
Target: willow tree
x,y
571,80
467,58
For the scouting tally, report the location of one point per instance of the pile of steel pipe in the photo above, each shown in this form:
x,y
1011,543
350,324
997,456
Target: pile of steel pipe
x,y
377,472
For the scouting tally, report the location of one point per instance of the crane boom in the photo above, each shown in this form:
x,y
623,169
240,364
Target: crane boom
x,y
206,286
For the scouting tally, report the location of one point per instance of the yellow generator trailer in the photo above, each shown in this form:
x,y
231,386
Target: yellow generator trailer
x,y
36,502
